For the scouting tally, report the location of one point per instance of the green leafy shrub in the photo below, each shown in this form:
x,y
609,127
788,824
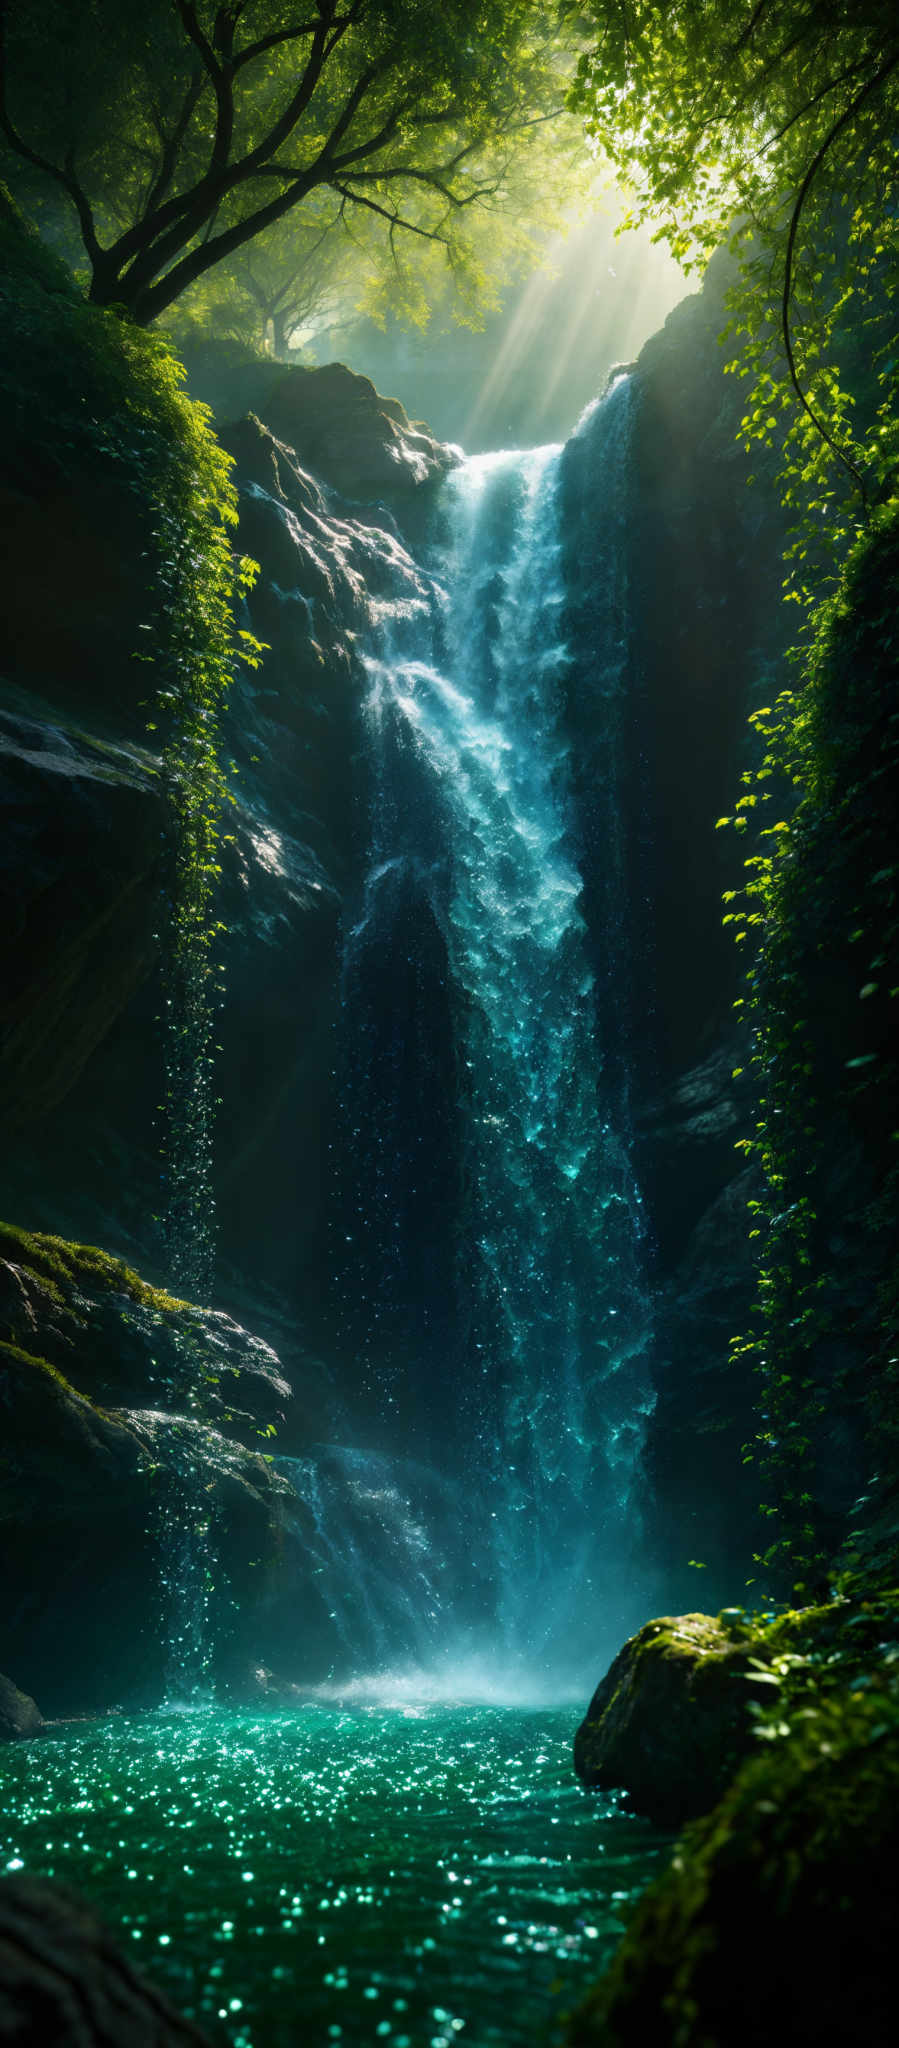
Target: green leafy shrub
x,y
820,905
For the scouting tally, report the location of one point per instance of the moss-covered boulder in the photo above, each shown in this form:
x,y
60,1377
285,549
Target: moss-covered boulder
x,y
776,1920
20,1715
127,1345
127,1417
670,1720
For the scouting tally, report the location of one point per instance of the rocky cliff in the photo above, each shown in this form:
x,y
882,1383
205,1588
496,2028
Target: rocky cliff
x,y
703,623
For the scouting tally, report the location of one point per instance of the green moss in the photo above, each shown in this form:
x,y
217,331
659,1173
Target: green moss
x,y
85,393
61,1266
12,1354
691,1696
775,1920
670,1721
77,382
683,1636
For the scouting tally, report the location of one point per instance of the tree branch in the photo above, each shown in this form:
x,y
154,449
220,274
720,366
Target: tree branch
x,y
220,76
187,216
823,93
155,297
394,217
172,143
280,35
752,24
151,243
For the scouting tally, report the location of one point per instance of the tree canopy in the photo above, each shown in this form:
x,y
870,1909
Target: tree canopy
x,y
179,132
774,123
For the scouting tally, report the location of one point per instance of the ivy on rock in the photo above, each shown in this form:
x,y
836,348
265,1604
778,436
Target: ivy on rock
x,y
87,391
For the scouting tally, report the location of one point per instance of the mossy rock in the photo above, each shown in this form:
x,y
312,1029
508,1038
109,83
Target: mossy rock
x,y
65,1268
60,1452
670,1721
83,1496
776,1920
678,1710
20,1716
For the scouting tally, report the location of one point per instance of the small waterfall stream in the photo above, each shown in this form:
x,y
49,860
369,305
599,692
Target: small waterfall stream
x,y
534,1335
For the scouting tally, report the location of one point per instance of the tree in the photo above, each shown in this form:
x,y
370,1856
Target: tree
x,y
179,132
292,281
774,123
299,274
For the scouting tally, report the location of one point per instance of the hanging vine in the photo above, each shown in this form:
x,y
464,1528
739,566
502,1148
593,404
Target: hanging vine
x,y
84,391
820,916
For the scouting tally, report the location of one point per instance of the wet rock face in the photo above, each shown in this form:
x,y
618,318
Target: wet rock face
x,y
329,571
704,1413
114,1401
63,1979
353,439
81,868
362,444
78,867
702,630
20,1715
121,1341
74,1551
670,1720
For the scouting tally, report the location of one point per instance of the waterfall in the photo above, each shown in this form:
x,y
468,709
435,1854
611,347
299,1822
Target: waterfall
x,y
473,915
378,1534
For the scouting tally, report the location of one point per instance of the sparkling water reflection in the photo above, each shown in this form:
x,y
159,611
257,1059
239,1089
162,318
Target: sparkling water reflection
x,y
359,1875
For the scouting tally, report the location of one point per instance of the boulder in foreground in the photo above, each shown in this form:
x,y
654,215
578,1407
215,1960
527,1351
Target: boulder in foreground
x,y
64,1980
670,1721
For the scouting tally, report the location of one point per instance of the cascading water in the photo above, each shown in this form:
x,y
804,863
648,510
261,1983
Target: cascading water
x,y
544,1330
379,1535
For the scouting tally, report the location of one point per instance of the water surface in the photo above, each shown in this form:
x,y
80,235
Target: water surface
x,y
410,1875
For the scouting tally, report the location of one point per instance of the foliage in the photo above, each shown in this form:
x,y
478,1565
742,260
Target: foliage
x,y
83,387
326,265
820,902
776,126
176,134
799,1843
801,1656
194,650
289,276
793,1868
